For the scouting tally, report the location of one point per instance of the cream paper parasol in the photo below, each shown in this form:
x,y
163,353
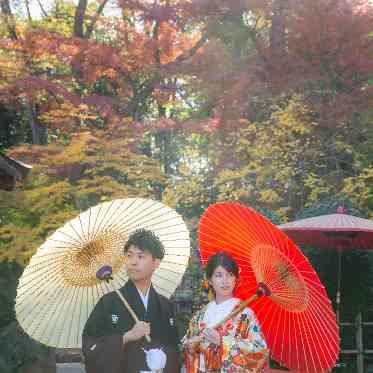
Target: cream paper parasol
x,y
60,286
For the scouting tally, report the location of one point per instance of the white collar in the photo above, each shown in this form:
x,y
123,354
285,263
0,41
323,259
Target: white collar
x,y
144,298
217,312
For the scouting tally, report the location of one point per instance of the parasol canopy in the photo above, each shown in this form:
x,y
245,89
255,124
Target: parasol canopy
x,y
59,287
332,231
338,231
294,311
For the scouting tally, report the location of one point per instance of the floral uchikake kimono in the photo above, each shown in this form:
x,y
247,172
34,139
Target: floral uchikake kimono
x,y
243,348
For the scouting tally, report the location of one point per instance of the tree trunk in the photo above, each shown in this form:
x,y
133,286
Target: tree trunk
x,y
79,18
277,36
38,131
6,11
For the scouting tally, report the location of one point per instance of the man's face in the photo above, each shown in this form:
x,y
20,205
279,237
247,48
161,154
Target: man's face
x,y
140,264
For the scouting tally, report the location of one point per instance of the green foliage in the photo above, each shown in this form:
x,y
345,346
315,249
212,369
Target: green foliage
x,y
272,164
329,206
65,181
9,273
13,129
18,351
360,190
357,273
271,216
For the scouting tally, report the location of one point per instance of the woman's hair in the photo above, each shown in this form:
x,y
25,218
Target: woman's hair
x,y
224,260
146,240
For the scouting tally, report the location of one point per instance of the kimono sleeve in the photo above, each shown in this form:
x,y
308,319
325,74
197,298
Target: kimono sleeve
x,y
248,349
103,354
193,329
97,323
100,350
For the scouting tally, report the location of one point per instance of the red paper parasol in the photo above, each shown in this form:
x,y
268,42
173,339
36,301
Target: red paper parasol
x,y
334,231
297,319
338,231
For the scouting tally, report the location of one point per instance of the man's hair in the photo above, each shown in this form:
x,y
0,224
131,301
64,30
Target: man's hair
x,y
146,240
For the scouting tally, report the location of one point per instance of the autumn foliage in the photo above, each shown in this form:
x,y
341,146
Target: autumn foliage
x,y
267,102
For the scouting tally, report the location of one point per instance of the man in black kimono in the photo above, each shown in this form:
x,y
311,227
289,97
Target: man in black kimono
x,y
112,341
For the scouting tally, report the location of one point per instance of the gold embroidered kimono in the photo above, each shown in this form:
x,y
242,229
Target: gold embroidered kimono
x,y
242,348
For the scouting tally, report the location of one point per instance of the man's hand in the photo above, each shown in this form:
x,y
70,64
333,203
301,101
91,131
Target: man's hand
x,y
139,330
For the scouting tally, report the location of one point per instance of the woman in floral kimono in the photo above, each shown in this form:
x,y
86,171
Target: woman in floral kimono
x,y
234,347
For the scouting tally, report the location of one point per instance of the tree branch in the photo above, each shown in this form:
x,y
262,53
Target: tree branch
x,y
28,11
42,9
188,54
95,18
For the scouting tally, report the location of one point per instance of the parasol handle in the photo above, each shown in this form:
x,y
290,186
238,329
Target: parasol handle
x,y
105,274
236,310
262,290
130,310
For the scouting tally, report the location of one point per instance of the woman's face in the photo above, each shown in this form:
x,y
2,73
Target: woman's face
x,y
223,282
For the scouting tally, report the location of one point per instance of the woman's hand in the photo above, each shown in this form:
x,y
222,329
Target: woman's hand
x,y
193,342
211,335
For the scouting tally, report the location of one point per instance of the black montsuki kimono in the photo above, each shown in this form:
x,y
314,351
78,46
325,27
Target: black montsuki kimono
x,y
103,347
